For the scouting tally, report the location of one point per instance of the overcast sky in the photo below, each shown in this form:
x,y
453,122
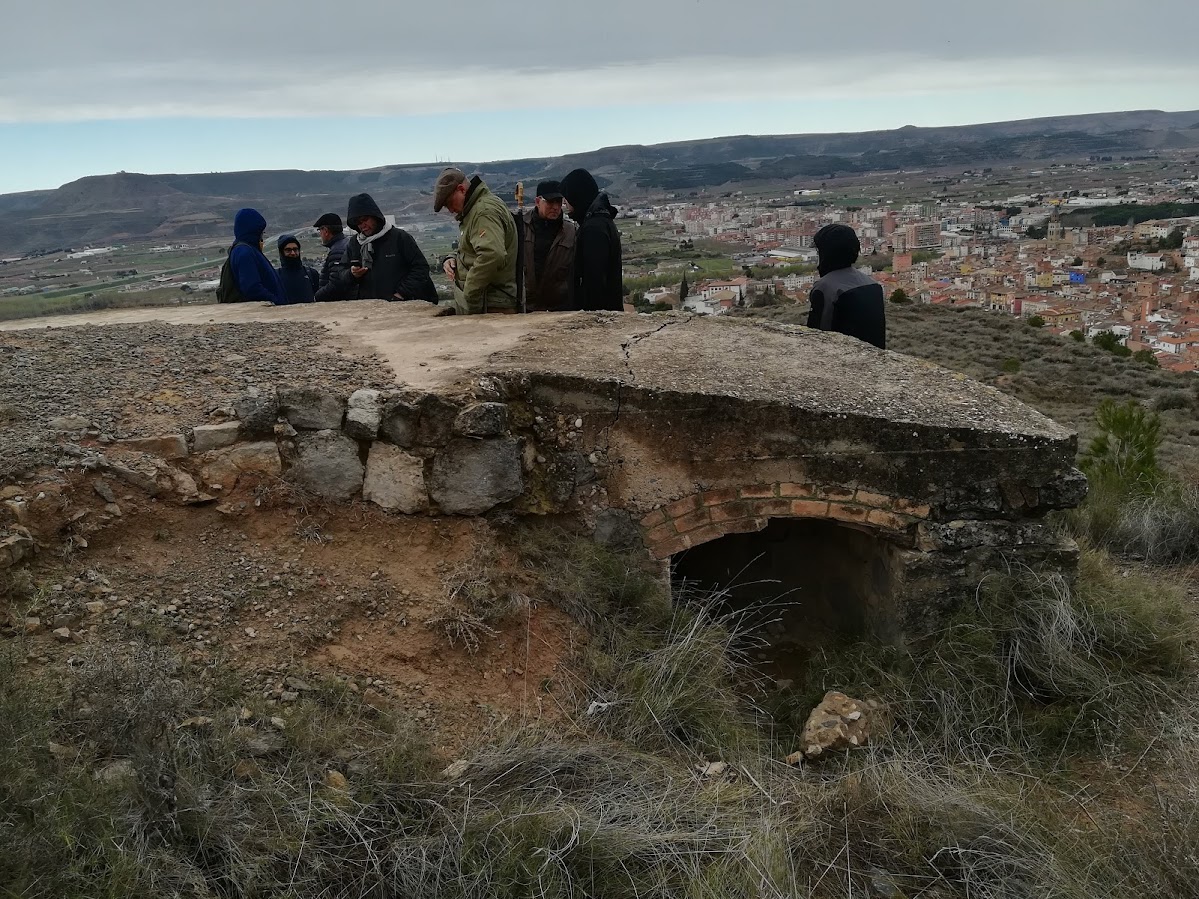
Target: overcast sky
x,y
217,85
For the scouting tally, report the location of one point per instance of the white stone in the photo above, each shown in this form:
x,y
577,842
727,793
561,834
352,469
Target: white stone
x,y
395,480
211,437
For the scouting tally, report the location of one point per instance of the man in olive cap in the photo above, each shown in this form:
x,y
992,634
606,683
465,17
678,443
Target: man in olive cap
x,y
484,271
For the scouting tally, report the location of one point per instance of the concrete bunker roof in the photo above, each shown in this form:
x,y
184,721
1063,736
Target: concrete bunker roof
x,y
746,359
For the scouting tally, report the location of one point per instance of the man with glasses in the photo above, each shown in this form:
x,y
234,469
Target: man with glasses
x,y
299,280
549,252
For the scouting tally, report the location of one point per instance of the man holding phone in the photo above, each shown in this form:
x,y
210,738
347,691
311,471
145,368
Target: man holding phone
x,y
384,262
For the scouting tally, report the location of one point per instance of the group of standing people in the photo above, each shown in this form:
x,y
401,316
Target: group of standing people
x,y
563,254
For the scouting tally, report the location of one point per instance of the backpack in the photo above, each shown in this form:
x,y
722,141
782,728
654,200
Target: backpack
x,y
227,290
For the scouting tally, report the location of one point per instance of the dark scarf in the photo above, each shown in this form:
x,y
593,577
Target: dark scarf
x,y
545,232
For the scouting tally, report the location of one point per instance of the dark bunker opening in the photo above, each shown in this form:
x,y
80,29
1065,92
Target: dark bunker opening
x,y
792,587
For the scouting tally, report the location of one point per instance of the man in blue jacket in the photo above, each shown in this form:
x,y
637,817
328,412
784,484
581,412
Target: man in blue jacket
x,y
299,280
253,272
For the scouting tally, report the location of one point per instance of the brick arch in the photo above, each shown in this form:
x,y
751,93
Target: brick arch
x,y
711,514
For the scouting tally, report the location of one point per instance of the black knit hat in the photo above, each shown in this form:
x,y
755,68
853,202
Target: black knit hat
x,y
330,220
549,190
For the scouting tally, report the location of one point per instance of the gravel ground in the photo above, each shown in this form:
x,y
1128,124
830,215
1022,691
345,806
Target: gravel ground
x,y
140,380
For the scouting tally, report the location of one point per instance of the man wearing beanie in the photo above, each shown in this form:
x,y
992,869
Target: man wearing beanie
x,y
335,240
549,252
484,271
384,261
597,279
844,299
299,280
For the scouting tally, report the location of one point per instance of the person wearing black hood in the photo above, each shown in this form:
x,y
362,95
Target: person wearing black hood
x,y
844,299
384,262
598,280
299,280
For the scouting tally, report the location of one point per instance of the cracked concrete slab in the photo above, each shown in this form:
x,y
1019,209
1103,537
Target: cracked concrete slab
x,y
745,359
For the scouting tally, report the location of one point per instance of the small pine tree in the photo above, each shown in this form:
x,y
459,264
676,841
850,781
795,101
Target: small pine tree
x,y
1124,453
900,296
1035,321
683,290
1110,342
1146,357
1077,336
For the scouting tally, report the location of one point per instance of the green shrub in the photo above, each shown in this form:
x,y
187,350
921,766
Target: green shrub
x,y
1124,452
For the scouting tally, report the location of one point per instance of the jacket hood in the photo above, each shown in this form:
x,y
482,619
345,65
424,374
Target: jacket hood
x,y
361,205
284,240
248,226
601,205
837,247
580,191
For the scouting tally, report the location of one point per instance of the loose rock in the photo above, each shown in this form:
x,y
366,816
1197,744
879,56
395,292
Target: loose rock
x,y
837,724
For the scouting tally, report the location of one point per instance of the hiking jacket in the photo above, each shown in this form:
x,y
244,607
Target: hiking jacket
x,y
850,302
329,284
398,268
298,280
552,292
486,278
256,277
598,278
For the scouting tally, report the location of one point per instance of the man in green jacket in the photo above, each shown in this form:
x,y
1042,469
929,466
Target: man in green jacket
x,y
484,272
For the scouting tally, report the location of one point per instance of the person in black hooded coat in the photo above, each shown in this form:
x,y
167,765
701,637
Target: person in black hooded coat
x,y
299,280
598,279
383,262
844,299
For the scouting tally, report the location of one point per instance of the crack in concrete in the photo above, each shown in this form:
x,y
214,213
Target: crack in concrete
x,y
627,349
627,346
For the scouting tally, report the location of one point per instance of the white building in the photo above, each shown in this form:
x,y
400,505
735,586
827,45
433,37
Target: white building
x,y
1146,262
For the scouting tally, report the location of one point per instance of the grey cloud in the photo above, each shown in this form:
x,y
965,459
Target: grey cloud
x,y
239,57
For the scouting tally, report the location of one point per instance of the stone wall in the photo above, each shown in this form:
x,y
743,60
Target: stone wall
x,y
660,452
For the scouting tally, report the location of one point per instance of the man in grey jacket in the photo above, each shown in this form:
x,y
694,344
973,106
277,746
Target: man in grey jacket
x,y
844,299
